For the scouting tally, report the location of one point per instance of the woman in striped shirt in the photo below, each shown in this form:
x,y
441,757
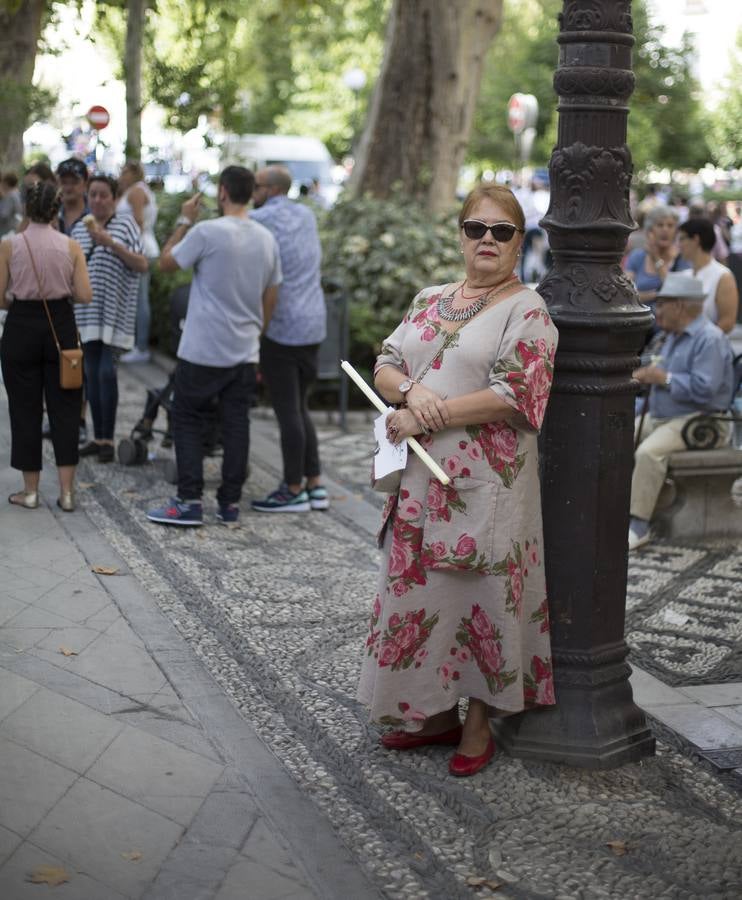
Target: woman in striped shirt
x,y
112,246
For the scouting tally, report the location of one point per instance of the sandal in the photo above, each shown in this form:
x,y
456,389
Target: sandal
x,y
27,499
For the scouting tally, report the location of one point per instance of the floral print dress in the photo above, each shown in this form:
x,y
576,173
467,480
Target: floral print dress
x,y
461,607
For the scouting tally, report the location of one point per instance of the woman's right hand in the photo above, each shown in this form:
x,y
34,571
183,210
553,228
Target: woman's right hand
x,y
428,408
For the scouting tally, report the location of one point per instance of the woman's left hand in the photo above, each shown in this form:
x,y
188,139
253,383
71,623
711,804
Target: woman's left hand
x,y
401,424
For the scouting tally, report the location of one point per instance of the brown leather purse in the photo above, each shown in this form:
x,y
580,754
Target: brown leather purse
x,y
70,361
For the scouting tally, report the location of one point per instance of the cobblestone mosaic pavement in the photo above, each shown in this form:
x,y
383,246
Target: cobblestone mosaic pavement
x,y
277,611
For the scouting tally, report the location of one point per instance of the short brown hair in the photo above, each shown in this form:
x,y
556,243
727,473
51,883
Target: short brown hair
x,y
499,194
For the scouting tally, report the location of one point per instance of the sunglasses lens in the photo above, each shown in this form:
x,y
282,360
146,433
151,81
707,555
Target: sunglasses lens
x,y
474,230
503,233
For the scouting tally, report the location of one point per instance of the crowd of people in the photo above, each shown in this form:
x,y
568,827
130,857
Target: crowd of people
x,y
677,263
256,296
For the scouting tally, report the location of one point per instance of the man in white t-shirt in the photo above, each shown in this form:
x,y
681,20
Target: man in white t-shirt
x,y
234,290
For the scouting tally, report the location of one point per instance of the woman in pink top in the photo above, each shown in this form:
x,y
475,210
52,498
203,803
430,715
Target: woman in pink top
x,y
30,361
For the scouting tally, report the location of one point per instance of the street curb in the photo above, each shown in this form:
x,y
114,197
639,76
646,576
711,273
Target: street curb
x,y
333,872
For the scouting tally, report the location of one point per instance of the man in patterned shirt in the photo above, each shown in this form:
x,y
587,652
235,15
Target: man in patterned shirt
x,y
290,345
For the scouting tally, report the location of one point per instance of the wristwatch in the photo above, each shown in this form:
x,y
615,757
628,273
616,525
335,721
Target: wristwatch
x,y
405,386
183,220
668,379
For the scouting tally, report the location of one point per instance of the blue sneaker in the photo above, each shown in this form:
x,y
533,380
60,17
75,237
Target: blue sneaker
x,y
178,513
318,497
228,514
283,500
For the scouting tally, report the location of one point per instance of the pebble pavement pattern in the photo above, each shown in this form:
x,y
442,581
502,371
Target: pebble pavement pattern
x,y
277,610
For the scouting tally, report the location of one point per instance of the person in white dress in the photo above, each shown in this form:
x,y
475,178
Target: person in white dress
x,y
137,199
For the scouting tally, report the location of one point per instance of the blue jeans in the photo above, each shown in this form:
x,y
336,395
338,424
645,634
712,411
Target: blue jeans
x,y
101,387
200,391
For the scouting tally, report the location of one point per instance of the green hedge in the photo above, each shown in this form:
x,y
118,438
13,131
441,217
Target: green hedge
x,y
382,251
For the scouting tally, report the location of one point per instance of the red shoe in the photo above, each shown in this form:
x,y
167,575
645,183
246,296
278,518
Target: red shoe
x,y
463,766
405,740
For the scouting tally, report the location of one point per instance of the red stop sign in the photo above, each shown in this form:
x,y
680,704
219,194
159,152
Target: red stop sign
x,y
98,117
516,114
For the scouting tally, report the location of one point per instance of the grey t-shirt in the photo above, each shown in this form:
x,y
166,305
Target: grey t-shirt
x,y
235,260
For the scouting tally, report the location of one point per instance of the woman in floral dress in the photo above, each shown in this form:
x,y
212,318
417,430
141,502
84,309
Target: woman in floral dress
x,y
461,608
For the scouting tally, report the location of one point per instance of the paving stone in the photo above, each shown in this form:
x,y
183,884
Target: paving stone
x,y
63,730
705,728
29,786
729,694
91,827
9,840
156,773
732,712
28,858
262,882
9,607
650,691
75,601
121,667
120,630
14,690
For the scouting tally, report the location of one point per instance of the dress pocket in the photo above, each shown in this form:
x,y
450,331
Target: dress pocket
x,y
459,528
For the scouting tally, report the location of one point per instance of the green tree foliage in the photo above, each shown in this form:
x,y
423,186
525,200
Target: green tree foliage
x,y
666,123
272,65
726,122
384,252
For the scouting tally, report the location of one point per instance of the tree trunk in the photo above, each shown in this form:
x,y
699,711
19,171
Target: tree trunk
x,y
20,29
423,104
133,72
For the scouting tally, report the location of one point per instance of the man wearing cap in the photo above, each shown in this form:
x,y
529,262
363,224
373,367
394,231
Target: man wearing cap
x,y
73,182
694,374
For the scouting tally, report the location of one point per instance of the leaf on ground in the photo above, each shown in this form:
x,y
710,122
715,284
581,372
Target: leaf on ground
x,y
619,848
132,855
52,875
65,651
84,485
475,881
104,570
130,491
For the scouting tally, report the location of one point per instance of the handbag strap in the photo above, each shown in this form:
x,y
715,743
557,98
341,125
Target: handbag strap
x,y
43,298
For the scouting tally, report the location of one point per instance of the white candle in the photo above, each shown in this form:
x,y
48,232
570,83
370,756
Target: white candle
x,y
382,407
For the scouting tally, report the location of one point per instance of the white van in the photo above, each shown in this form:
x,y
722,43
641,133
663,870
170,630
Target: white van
x,y
306,158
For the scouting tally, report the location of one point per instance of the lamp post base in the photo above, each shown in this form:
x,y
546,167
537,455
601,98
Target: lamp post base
x,y
589,728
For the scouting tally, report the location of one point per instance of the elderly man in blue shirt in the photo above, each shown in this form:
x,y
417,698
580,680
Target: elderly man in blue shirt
x,y
694,374
290,345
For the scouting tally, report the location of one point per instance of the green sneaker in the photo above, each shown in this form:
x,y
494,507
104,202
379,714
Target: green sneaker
x,y
318,497
282,500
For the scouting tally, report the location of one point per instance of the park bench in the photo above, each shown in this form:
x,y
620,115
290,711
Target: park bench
x,y
702,495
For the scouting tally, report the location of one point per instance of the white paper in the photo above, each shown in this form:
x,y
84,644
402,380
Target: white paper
x,y
388,457
674,617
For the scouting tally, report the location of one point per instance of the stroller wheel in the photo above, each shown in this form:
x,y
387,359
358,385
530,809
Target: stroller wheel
x,y
171,471
141,451
127,452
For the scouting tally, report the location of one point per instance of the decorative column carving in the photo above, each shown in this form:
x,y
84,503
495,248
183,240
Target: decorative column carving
x,y
587,441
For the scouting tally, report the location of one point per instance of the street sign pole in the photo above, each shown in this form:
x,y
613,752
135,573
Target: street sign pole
x,y
98,118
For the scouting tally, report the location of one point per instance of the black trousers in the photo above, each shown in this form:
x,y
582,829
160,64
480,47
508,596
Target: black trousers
x,y
30,365
198,389
289,372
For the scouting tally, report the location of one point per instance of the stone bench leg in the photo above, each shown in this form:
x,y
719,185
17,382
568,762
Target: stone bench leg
x,y
697,505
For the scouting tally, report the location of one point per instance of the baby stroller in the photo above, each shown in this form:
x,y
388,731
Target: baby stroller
x,y
133,451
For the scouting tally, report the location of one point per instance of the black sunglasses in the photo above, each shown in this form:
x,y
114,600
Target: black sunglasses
x,y
502,232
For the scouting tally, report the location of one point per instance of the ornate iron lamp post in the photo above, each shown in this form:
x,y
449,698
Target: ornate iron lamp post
x,y
587,439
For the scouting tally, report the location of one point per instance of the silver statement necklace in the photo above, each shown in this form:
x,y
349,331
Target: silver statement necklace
x,y
447,312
